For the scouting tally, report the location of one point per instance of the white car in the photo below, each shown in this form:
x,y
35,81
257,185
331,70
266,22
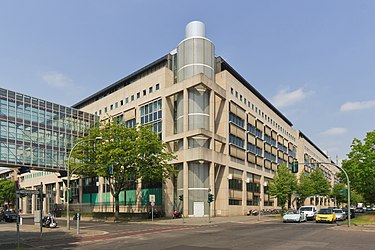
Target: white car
x,y
294,216
309,211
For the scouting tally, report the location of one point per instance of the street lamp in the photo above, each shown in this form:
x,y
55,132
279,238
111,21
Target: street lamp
x,y
68,179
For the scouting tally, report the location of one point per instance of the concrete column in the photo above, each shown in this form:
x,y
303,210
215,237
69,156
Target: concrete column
x,y
244,192
58,193
261,192
186,186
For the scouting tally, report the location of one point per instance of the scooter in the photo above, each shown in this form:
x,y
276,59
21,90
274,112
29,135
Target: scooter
x,y
49,221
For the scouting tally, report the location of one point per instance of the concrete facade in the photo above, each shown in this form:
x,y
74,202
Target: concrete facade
x,y
228,138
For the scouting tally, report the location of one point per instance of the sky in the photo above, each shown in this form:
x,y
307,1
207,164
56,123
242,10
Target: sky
x,y
314,60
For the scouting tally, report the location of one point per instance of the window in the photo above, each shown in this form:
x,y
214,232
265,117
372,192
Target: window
x,y
151,113
236,141
236,120
157,86
150,90
130,123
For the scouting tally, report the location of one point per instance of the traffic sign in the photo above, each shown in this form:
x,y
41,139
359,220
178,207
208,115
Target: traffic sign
x,y
152,198
27,191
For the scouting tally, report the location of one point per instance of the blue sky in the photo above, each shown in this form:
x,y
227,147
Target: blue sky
x,y
314,60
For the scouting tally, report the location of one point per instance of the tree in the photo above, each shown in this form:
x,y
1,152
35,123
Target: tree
x,y
124,155
320,184
7,192
283,185
305,188
339,193
360,167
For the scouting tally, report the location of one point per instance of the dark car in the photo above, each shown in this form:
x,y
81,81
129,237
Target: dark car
x,y
352,212
9,216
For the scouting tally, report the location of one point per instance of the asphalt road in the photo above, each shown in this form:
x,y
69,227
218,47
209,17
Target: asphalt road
x,y
268,235
237,234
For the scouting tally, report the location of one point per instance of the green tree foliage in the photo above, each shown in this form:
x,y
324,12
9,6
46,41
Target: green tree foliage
x,y
320,184
305,188
360,167
124,155
7,192
339,192
283,185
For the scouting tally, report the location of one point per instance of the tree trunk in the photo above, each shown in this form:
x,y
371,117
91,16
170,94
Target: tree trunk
x,y
117,206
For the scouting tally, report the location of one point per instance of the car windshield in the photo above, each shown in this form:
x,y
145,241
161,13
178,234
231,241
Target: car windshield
x,y
305,209
337,211
325,211
291,212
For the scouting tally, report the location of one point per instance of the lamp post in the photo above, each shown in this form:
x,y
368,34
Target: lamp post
x,y
69,174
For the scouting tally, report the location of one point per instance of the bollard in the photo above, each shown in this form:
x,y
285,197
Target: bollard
x,y
78,219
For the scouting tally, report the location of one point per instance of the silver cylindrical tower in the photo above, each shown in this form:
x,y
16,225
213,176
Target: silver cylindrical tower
x,y
196,53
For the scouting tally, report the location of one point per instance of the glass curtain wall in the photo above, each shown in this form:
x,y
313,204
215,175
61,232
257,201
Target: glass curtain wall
x,y
199,108
198,186
38,133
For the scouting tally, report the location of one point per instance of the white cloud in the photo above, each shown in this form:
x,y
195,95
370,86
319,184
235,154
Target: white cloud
x,y
351,106
286,98
334,131
56,79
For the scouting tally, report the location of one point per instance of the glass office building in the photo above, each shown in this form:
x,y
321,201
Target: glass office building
x,y
36,133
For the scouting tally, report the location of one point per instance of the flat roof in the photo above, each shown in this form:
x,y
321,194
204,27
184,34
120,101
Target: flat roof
x,y
120,83
225,66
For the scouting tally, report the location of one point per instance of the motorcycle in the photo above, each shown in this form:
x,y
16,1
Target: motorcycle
x,y
49,221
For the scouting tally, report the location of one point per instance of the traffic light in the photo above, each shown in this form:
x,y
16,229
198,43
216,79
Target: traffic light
x,y
23,170
295,167
181,197
110,169
210,198
344,192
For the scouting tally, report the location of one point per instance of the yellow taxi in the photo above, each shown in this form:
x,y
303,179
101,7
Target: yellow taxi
x,y
325,215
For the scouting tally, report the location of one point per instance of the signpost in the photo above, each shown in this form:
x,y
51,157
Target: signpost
x,y
152,202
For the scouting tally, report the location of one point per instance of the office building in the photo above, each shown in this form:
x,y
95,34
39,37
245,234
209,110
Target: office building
x,y
228,138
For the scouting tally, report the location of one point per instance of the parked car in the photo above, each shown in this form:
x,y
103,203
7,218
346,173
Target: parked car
x,y
368,209
340,215
9,216
294,216
325,215
309,211
359,210
352,212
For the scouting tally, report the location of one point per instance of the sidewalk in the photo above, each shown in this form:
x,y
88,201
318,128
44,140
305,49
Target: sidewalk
x,y
30,234
215,220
